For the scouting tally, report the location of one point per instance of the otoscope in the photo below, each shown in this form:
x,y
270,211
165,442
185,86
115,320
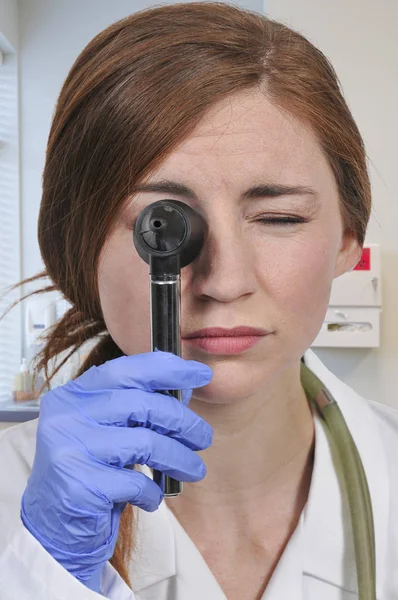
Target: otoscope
x,y
168,235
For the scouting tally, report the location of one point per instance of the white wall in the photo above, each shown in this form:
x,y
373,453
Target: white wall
x,y
10,326
8,25
360,38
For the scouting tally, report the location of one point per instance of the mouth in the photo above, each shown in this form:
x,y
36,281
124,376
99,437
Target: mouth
x,y
239,331
225,344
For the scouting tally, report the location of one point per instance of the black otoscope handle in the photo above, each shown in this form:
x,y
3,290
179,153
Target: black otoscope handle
x,y
168,235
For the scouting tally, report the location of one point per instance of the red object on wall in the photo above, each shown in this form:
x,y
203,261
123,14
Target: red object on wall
x,y
364,263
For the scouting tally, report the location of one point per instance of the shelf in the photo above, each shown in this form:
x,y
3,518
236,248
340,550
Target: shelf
x,y
18,413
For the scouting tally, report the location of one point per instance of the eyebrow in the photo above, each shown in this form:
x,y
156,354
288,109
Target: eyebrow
x,y
266,190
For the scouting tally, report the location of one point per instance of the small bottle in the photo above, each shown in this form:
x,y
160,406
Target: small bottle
x,y
26,378
23,384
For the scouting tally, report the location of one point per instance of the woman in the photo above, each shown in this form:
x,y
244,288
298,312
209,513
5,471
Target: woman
x,y
241,118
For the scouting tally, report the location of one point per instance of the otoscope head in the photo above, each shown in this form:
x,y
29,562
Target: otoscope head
x,y
168,235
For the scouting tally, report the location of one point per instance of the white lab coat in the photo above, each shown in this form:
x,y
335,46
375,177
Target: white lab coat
x,y
317,563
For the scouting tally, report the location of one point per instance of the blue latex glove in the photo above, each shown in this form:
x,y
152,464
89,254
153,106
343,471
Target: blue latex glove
x,y
88,431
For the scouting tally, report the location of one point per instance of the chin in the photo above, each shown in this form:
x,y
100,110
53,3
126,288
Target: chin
x,y
231,385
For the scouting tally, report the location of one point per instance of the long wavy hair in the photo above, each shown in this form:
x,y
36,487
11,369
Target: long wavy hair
x,y
133,94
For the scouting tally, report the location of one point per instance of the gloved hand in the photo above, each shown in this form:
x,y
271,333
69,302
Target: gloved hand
x,y
88,431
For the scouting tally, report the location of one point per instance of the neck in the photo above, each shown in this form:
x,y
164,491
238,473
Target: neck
x,y
260,461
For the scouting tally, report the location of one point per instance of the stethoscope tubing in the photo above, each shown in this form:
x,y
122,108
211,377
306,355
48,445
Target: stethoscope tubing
x,y
354,479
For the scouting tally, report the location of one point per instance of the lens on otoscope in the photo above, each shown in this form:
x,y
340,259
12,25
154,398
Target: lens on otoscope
x,y
169,228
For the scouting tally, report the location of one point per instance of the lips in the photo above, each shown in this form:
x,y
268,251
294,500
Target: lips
x,y
241,330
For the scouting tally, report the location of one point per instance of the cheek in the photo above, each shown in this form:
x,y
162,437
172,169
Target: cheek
x,y
300,284
123,283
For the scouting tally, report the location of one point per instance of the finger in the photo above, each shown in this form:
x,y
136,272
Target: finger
x,y
149,371
120,446
126,485
156,411
186,396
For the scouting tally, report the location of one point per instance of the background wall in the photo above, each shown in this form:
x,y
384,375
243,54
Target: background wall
x,y
361,42
10,243
8,25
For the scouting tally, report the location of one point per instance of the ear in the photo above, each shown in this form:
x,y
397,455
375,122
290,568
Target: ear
x,y
349,254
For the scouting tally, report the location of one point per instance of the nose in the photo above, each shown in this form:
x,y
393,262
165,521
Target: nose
x,y
225,268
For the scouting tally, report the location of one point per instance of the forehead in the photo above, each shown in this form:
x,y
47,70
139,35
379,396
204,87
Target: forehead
x,y
246,133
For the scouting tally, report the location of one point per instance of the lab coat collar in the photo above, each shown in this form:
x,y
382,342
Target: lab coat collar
x,y
328,547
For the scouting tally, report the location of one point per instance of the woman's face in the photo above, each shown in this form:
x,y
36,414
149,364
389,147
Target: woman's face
x,y
262,274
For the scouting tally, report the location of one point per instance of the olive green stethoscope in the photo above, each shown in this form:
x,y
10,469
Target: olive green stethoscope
x,y
169,235
351,471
